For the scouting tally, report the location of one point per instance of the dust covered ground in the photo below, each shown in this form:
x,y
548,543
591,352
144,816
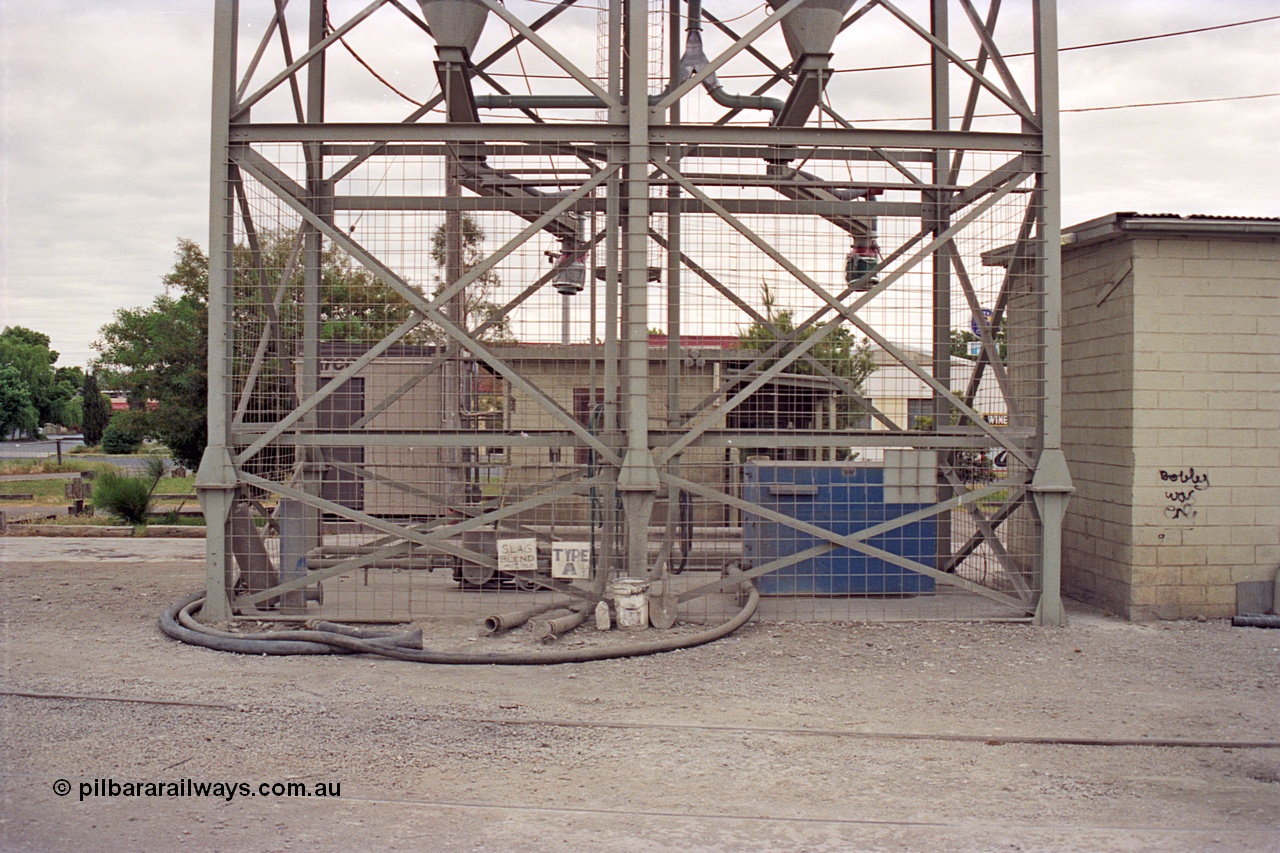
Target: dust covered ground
x,y
784,736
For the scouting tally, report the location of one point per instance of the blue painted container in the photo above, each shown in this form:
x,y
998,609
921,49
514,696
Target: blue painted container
x,y
842,498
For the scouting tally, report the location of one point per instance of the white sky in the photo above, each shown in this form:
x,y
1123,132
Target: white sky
x,y
106,116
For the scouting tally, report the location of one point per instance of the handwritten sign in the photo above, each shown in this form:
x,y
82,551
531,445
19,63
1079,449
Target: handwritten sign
x,y
571,560
518,555
1181,487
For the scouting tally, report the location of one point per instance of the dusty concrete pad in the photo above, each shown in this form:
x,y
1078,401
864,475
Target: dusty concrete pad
x,y
764,741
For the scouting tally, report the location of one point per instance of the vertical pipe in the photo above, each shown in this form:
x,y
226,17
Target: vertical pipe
x,y
940,67
215,481
636,234
312,243
451,371
612,285
319,197
566,312
674,332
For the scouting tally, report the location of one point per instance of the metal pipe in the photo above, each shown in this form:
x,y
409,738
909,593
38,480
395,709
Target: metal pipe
x,y
548,629
550,102
1261,621
695,57
499,622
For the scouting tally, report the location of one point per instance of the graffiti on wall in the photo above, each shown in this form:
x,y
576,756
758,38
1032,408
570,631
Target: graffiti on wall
x,y
1181,488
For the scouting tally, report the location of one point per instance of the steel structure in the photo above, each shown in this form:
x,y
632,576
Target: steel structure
x,y
404,392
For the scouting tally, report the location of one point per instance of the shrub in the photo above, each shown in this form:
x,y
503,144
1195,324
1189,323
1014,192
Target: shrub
x,y
95,410
128,498
154,469
120,437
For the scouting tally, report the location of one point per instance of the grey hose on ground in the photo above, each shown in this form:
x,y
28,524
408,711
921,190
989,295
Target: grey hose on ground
x,y
177,622
318,630
319,642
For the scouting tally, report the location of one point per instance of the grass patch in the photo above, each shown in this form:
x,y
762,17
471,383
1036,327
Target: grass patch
x,y
176,520
50,493
105,520
43,493
148,448
17,467
185,486
994,501
84,521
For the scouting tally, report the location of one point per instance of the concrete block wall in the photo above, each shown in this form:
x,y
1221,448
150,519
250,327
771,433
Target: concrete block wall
x,y
1097,422
1167,521
1207,437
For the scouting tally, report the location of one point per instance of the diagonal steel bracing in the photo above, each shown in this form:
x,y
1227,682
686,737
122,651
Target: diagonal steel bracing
x,y
839,382
477,333
269,330
997,312
1008,100
435,101
997,59
425,307
243,105
436,539
986,335
854,541
845,313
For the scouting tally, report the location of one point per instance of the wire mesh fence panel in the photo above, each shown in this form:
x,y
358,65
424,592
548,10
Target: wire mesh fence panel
x,y
532,339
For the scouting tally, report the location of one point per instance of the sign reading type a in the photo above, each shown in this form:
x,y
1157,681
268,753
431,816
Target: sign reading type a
x,y
571,560
517,555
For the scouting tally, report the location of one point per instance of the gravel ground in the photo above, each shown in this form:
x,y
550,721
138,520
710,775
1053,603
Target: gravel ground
x,y
785,736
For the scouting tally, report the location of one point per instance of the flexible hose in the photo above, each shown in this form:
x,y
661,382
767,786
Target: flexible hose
x,y
319,632
178,623
352,630
317,642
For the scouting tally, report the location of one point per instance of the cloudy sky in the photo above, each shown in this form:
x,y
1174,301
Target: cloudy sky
x,y
106,119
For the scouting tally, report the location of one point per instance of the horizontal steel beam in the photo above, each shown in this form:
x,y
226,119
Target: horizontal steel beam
x,y
395,132
552,149
661,438
744,207
762,142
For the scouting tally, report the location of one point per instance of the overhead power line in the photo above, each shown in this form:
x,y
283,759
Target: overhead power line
x,y
1097,109
1164,35
1173,103
1112,43
1130,40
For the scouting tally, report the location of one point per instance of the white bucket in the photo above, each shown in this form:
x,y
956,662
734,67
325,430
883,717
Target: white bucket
x,y
631,601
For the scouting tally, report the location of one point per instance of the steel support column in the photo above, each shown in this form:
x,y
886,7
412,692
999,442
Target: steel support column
x,y
216,480
1052,484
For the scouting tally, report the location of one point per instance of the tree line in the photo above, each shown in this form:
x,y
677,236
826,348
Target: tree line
x,y
34,391
156,355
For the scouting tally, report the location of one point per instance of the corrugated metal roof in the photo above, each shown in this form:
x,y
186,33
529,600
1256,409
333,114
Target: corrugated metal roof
x,y
1199,216
1172,224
